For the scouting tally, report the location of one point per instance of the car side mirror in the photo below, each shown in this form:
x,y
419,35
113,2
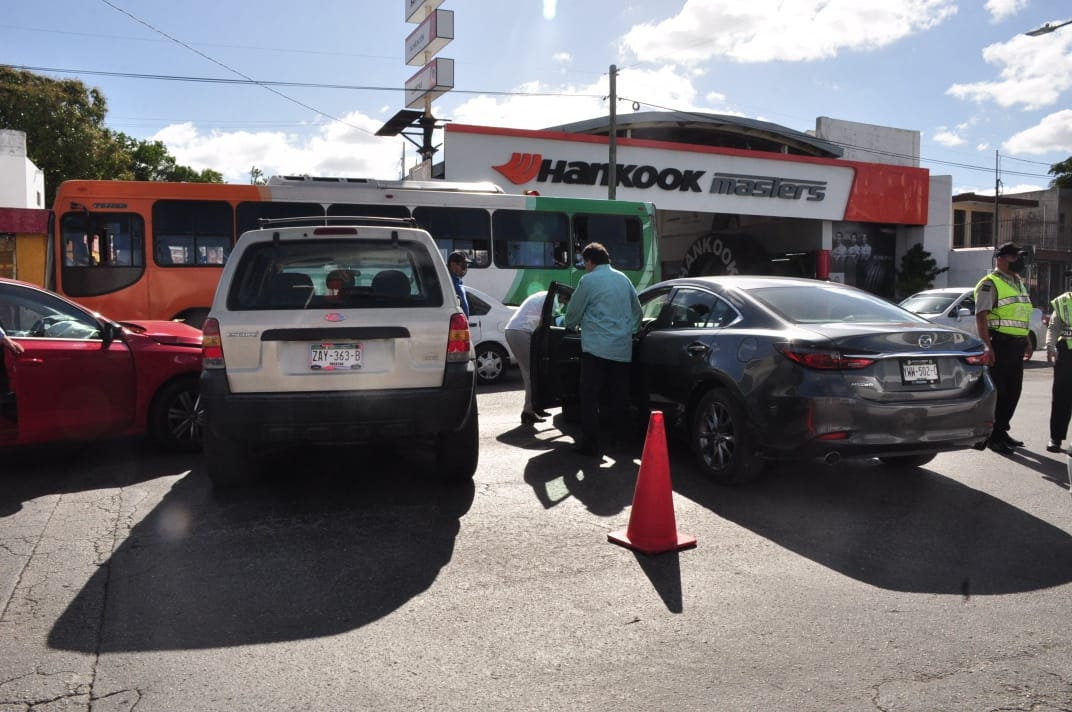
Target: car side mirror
x,y
963,312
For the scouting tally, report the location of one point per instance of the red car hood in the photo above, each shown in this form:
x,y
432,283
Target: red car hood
x,y
165,332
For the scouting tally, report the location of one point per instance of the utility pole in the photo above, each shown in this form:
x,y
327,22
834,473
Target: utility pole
x,y
997,193
612,162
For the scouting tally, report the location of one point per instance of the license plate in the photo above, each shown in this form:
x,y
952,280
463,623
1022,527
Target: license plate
x,y
335,357
918,371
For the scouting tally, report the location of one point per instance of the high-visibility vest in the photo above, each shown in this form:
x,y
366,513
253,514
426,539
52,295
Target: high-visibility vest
x,y
1062,306
1011,313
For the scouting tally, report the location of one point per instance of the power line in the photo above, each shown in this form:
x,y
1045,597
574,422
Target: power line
x,y
232,69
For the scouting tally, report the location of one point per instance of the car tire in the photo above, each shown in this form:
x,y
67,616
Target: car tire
x,y
907,461
227,463
491,363
720,440
175,416
457,452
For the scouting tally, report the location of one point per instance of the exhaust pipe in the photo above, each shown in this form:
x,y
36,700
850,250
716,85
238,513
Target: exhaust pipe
x,y
831,458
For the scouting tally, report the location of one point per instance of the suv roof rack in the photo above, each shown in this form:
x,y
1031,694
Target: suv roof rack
x,y
329,219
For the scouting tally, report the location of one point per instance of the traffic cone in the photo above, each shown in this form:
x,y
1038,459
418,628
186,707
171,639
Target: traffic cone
x,y
652,528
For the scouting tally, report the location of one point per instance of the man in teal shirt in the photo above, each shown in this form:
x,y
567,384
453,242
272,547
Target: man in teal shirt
x,y
606,308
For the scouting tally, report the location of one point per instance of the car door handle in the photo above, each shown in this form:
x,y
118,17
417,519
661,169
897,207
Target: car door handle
x,y
697,349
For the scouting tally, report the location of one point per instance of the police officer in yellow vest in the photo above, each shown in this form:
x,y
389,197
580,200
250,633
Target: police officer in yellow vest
x,y
1002,316
1059,355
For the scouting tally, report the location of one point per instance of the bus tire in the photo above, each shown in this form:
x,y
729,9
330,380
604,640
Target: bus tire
x,y
175,416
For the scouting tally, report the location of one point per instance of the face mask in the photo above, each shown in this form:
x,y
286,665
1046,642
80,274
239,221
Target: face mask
x,y
1016,267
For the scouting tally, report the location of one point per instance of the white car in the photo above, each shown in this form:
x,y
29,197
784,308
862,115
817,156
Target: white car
x,y
487,325
955,306
328,334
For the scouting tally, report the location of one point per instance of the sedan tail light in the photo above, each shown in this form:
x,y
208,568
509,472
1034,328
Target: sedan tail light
x,y
211,345
459,346
822,359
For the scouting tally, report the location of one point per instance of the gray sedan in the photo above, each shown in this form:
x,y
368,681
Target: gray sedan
x,y
751,369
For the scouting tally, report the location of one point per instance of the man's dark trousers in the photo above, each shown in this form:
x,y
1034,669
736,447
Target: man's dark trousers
x,y
599,375
1007,373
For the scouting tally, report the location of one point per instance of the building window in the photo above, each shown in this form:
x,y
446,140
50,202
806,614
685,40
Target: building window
x,y
959,228
982,229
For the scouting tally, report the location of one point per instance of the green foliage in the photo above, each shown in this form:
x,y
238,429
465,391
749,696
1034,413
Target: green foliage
x,y
256,176
66,137
1062,173
918,270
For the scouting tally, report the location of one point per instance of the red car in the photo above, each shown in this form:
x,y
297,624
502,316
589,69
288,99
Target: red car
x,y
81,376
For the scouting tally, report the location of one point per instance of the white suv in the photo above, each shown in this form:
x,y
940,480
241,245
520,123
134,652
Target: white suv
x,y
331,334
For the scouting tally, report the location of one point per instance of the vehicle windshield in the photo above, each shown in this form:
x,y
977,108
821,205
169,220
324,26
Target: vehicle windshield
x,y
929,303
821,304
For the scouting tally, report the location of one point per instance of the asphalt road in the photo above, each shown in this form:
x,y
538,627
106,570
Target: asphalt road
x,y
349,581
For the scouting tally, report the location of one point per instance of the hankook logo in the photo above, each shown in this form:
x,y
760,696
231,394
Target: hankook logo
x,y
527,167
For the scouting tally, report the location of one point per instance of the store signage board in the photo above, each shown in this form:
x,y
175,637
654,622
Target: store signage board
x,y
432,35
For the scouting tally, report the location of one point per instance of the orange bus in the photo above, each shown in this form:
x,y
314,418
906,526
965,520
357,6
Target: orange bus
x,y
154,250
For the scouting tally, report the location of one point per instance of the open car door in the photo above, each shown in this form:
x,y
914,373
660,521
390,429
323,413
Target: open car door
x,y
555,358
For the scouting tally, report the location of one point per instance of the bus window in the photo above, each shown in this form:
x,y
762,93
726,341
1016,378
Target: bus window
x,y
248,215
526,238
102,252
622,235
466,229
184,230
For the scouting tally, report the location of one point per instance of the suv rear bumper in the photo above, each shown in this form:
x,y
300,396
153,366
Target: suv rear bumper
x,y
336,416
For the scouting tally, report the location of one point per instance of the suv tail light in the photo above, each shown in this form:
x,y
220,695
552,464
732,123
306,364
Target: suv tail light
x,y
211,345
458,344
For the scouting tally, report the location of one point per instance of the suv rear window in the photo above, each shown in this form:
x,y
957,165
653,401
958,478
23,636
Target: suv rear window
x,y
334,274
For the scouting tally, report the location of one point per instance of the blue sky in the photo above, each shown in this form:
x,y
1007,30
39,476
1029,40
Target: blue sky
x,y
963,73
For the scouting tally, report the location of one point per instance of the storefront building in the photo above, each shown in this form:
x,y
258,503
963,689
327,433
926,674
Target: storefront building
x,y
735,195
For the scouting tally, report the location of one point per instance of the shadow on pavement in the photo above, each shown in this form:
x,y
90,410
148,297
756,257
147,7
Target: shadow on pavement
x,y
909,530
32,472
331,541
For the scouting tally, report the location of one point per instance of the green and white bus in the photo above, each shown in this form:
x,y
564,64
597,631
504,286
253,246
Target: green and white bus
x,y
152,250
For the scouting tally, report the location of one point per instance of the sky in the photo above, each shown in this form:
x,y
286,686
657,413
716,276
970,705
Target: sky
x,y
301,88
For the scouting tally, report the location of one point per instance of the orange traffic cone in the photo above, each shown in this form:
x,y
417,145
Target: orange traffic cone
x,y
652,528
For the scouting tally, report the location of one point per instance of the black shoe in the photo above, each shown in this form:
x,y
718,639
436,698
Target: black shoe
x,y
542,413
1000,447
1011,441
1053,445
528,417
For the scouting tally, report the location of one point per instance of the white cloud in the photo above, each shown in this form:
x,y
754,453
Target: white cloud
x,y
1052,134
1001,9
334,149
773,30
664,88
1034,71
945,137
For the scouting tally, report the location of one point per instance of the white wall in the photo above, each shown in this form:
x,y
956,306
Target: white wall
x,y
22,184
897,147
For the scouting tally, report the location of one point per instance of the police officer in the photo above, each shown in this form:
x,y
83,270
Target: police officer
x,y
1002,317
1059,355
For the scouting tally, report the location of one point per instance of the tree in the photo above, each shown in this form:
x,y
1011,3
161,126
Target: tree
x,y
918,270
66,137
256,176
1062,173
